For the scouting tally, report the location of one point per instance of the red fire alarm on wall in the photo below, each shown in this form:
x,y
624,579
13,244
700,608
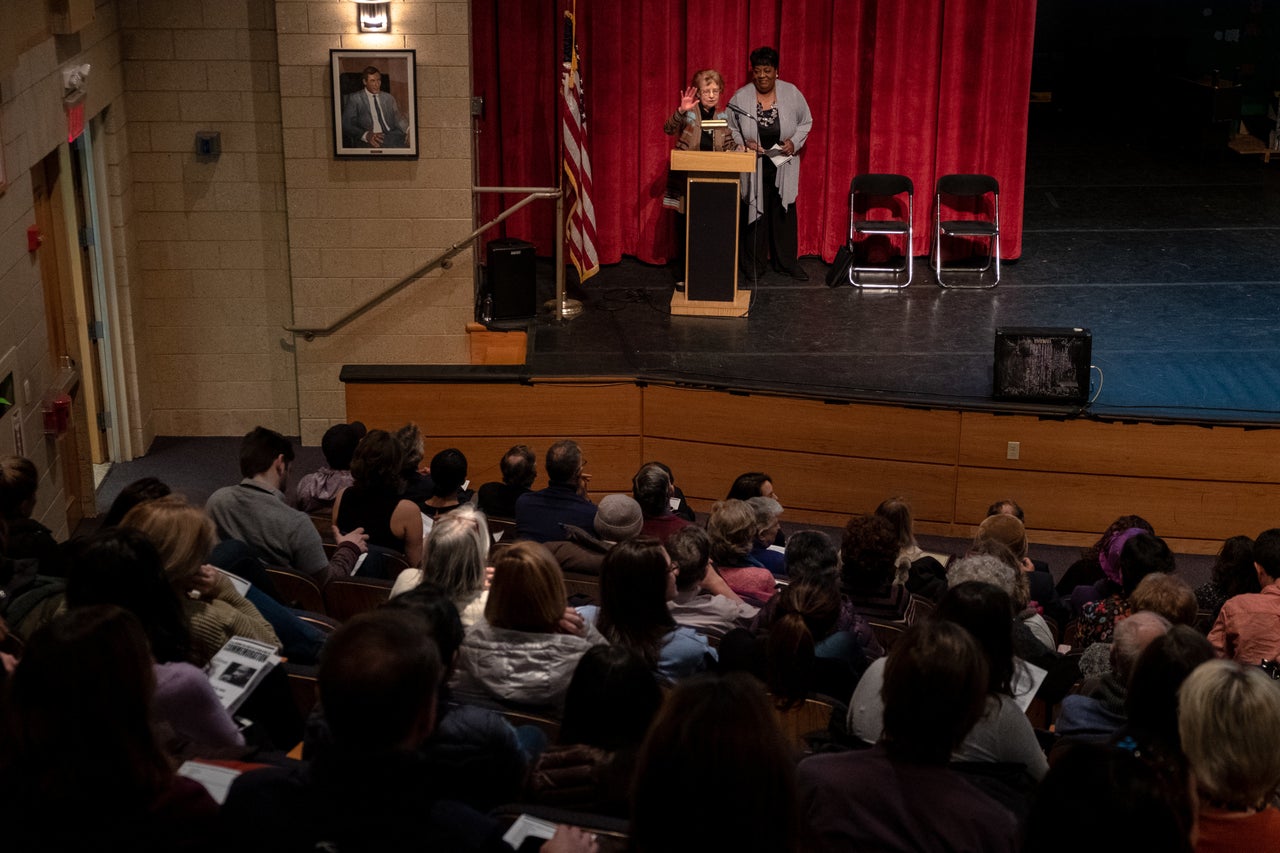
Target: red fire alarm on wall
x,y
34,238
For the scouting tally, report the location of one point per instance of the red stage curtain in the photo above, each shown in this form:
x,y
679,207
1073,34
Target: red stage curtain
x,y
920,88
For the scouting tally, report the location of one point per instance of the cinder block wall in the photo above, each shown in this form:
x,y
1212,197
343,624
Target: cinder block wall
x,y
356,227
210,237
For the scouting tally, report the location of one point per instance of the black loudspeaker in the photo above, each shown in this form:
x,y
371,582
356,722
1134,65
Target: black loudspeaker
x,y
512,279
1042,365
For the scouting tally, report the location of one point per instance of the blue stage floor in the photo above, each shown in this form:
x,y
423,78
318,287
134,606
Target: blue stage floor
x,y
1170,258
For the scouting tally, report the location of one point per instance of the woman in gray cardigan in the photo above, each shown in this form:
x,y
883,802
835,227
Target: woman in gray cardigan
x,y
771,117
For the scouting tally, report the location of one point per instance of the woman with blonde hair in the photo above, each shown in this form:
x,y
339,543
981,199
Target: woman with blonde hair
x,y
732,528
455,557
1229,726
214,611
524,651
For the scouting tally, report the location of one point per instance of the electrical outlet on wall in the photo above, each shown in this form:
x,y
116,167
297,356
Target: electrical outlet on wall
x,y
1014,451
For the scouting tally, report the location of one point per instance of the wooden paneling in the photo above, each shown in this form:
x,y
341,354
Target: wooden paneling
x,y
541,409
1195,509
1196,485
1173,451
806,481
811,426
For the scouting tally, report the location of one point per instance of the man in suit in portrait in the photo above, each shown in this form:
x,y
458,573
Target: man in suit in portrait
x,y
371,118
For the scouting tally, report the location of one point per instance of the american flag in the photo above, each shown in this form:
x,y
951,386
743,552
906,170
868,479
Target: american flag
x,y
581,227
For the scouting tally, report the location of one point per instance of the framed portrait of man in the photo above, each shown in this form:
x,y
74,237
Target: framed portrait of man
x,y
375,111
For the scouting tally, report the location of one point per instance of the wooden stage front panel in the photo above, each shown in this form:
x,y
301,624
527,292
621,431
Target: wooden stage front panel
x,y
1197,485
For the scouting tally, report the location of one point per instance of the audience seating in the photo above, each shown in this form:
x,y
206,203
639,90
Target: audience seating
x,y
798,723
325,623
323,522
1070,634
918,607
550,727
500,528
587,586
345,597
299,590
887,633
302,686
610,832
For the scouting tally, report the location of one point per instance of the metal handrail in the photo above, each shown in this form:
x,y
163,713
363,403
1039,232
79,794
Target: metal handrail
x,y
442,260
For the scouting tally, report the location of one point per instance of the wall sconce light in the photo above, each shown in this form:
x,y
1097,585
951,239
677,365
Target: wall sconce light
x,y
374,16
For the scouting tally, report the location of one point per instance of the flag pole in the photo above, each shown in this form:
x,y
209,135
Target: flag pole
x,y
562,308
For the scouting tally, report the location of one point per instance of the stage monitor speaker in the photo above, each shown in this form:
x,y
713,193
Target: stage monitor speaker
x,y
512,279
1042,365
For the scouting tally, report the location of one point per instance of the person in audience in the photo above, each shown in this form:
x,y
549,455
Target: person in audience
x,y
24,537
1089,569
120,566
900,795
921,573
1010,532
804,652
448,479
524,651
1032,637
1140,555
732,528
145,489
80,765
1151,701
540,515
417,480
519,469
1098,797
612,700
1098,710
373,503
1169,595
618,518
214,612
722,725
455,557
703,601
377,683
1229,726
653,490
1002,734
751,485
679,505
1248,626
254,512
1232,574
755,484
317,490
636,582
897,511
813,558
476,756
769,524
868,556
1008,506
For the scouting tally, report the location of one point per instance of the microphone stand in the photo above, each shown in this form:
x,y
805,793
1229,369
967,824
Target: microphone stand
x,y
755,229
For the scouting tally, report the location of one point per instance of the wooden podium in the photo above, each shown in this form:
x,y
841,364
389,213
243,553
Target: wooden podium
x,y
711,233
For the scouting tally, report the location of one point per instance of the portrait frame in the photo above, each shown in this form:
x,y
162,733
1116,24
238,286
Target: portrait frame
x,y
352,112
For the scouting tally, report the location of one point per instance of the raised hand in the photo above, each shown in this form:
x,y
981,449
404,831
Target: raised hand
x,y
688,99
